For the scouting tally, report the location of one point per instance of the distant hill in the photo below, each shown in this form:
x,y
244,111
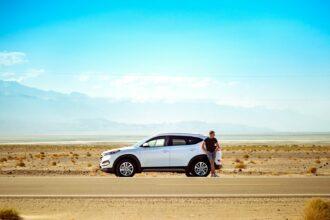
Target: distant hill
x,y
26,110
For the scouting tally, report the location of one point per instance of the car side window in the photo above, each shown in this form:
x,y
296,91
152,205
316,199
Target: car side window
x,y
176,141
194,140
183,140
157,142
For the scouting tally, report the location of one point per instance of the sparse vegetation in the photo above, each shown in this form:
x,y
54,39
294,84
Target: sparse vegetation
x,y
89,165
3,159
318,161
312,170
246,156
9,214
240,165
237,160
317,209
53,163
88,154
20,164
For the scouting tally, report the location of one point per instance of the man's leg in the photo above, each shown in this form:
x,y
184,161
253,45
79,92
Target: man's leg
x,y
212,167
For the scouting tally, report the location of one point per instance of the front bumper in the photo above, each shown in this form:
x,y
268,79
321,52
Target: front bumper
x,y
107,170
106,163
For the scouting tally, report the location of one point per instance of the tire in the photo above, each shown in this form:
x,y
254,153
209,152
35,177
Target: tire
x,y
125,168
188,172
200,168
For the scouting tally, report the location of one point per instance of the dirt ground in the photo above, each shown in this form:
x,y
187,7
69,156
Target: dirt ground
x,y
273,160
157,208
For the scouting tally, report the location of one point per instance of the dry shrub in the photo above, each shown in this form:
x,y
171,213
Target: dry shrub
x,y
317,209
317,161
252,162
88,154
246,156
240,165
89,165
9,214
237,160
40,156
53,163
312,170
20,164
3,160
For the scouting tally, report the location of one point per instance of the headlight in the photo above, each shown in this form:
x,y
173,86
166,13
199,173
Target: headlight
x,y
111,152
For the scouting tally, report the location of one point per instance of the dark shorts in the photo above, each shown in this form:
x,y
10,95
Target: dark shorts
x,y
211,155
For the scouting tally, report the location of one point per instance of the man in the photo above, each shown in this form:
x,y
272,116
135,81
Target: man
x,y
210,146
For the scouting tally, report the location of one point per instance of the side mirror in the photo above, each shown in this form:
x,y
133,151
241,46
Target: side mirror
x,y
145,145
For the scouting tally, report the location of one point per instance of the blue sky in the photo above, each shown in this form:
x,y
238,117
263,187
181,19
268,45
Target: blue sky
x,y
271,54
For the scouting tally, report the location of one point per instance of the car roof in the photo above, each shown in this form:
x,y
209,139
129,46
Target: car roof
x,y
181,134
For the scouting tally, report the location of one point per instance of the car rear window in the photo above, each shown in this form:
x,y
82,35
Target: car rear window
x,y
194,140
184,140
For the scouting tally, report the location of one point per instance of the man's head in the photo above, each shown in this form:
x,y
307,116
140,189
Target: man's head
x,y
212,134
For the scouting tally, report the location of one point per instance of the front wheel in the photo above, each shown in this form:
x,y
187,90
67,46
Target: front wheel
x,y
125,168
200,168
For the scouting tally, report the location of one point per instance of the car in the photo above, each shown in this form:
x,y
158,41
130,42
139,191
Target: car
x,y
170,152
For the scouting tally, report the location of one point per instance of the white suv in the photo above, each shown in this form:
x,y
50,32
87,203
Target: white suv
x,y
173,152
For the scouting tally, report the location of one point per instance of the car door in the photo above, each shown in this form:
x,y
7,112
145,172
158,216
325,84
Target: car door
x,y
154,153
182,149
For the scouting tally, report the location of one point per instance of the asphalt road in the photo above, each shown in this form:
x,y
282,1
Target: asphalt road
x,y
153,187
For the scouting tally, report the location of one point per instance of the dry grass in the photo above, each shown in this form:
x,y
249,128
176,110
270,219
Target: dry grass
x,y
88,154
312,170
89,165
20,164
246,156
53,163
240,165
3,160
317,209
317,161
9,214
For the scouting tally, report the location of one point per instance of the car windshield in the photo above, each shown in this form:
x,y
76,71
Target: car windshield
x,y
142,141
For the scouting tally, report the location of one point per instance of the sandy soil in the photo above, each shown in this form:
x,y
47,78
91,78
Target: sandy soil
x,y
271,160
158,208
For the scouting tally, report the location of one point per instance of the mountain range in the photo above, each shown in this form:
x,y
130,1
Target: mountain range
x,y
27,110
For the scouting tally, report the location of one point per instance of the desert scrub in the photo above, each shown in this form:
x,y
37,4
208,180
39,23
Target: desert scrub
x,y
312,170
237,160
317,209
317,161
9,214
88,154
246,156
89,165
240,165
3,160
53,163
20,164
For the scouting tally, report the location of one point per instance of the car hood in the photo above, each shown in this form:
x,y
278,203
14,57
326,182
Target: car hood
x,y
121,149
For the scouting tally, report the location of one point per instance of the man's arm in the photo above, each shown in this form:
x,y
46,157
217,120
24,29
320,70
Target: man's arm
x,y
218,146
203,146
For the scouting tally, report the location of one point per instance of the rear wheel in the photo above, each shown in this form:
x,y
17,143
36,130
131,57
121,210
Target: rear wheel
x,y
200,168
125,168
